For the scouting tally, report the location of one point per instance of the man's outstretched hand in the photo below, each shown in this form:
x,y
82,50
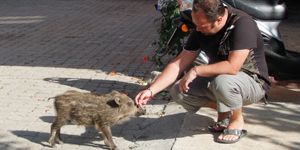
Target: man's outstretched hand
x,y
143,97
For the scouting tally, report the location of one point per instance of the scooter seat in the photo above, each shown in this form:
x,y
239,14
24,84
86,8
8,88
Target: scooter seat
x,y
261,9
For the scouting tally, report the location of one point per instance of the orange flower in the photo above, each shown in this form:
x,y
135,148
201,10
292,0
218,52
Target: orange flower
x,y
113,73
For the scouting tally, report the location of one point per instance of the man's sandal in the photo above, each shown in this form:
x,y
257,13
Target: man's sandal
x,y
219,126
235,132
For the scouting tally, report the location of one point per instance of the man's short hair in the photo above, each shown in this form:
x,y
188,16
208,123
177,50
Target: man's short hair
x,y
211,8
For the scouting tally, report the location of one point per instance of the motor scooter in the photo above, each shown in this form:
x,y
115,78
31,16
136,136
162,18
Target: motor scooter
x,y
268,14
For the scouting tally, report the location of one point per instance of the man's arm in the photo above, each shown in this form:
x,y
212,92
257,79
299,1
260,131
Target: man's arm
x,y
173,70
167,77
231,66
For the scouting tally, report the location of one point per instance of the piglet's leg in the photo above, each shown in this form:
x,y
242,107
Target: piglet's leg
x,y
58,137
55,131
106,132
53,135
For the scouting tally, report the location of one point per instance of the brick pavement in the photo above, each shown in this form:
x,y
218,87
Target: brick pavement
x,y
48,47
77,34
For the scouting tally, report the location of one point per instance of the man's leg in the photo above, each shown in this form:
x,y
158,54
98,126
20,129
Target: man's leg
x,y
232,92
221,115
198,96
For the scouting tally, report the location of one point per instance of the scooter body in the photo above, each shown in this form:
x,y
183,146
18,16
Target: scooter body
x,y
268,14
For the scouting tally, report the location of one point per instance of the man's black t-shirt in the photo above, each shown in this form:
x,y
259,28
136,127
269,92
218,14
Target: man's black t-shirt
x,y
244,35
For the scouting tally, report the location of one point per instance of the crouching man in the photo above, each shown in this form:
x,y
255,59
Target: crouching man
x,y
236,75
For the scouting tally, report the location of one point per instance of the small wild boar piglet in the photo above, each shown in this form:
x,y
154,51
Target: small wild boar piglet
x,y
86,109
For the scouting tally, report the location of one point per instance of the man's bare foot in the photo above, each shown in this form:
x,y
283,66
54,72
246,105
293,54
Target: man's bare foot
x,y
236,123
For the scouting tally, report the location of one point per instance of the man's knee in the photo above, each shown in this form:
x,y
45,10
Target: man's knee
x,y
224,85
226,90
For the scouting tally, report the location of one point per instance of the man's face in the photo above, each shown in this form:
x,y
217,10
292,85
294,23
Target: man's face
x,y
203,25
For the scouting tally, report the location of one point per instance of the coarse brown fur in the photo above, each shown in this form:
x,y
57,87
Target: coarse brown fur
x,y
100,110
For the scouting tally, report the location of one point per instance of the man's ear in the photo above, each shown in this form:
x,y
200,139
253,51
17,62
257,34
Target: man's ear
x,y
219,19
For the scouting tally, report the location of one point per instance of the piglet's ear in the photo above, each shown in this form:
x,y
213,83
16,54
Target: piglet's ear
x,y
114,92
114,103
118,101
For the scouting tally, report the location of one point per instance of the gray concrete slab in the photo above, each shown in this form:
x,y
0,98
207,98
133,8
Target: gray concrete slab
x,y
48,47
275,126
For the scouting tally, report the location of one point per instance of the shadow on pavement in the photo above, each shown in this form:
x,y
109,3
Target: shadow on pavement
x,y
137,129
42,139
141,128
276,116
6,144
273,122
48,119
165,127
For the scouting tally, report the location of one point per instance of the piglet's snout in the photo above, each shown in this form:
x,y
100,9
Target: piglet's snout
x,y
140,111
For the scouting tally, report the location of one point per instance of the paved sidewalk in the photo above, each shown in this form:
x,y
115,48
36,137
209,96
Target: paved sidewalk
x,y
48,47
